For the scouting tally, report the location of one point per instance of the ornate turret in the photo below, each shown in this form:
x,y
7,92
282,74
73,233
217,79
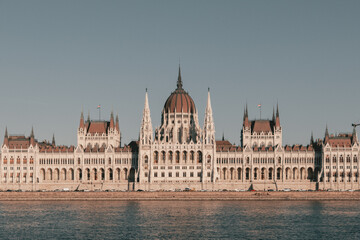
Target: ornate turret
x,y
146,125
209,127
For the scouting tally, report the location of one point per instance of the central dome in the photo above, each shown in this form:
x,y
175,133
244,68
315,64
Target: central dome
x,y
179,100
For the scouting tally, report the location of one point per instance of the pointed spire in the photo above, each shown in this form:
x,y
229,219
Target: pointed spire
x,y
326,134
179,81
312,138
209,126
32,132
246,123
112,120
277,121
208,107
32,137
273,117
6,138
82,124
117,123
146,100
88,118
53,140
145,134
223,137
246,111
326,131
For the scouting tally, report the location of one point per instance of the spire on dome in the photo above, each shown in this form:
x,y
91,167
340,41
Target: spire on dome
x,y
179,81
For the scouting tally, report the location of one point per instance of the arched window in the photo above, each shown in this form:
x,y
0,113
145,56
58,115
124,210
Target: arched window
x,y
192,156
146,159
170,156
163,157
156,157
184,157
199,157
177,157
334,159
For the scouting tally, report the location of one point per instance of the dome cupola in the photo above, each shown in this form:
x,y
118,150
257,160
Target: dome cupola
x,y
179,101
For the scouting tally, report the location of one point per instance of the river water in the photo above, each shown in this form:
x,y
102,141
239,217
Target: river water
x,y
180,220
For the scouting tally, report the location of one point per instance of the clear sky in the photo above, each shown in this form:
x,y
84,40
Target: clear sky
x,y
59,56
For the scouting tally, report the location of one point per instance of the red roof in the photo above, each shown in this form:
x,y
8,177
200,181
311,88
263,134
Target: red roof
x,y
179,101
99,127
261,126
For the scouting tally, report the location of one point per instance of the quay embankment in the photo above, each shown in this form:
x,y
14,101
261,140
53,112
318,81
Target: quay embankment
x,y
180,196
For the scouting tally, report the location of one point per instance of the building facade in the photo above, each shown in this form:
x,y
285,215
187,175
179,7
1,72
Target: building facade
x,y
180,154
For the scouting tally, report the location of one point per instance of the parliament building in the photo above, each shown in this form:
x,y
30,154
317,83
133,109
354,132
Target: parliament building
x,y
180,154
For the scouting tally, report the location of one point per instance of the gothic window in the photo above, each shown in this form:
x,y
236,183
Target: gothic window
x,y
184,157
348,159
341,159
156,157
334,159
163,156
192,157
170,156
355,159
177,157
199,157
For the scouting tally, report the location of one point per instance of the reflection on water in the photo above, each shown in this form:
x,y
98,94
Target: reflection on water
x,y
180,220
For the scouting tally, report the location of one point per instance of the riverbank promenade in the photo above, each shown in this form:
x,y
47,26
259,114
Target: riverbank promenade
x,y
179,196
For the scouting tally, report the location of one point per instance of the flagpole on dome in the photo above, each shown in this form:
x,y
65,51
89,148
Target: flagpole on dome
x,y
99,107
259,106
